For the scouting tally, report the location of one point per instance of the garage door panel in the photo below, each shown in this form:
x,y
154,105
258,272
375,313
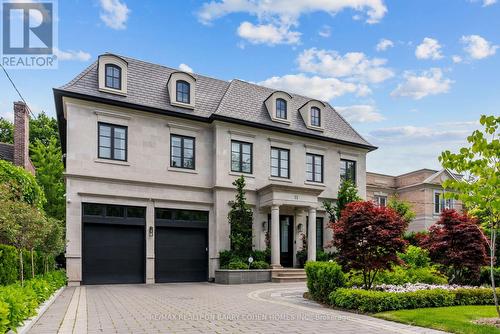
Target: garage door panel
x,y
113,254
181,255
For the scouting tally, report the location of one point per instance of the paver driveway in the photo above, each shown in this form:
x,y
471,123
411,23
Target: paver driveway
x,y
202,308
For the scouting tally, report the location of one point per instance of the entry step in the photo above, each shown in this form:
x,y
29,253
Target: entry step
x,y
285,275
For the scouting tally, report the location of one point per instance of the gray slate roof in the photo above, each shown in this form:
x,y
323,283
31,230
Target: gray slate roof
x,y
239,100
7,152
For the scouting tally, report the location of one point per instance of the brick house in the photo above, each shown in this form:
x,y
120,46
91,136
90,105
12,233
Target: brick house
x,y
18,153
421,188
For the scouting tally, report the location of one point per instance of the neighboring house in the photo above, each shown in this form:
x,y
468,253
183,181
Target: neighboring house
x,y
151,154
18,153
421,188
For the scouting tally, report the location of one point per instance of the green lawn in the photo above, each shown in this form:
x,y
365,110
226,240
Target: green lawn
x,y
455,319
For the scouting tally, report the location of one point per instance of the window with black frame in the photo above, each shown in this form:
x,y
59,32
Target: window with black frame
x,y
241,157
281,109
280,162
112,141
113,76
319,232
314,168
182,154
315,116
348,170
183,93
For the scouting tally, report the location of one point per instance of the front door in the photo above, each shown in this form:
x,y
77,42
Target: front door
x,y
286,241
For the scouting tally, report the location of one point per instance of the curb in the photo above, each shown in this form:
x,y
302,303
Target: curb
x,y
28,323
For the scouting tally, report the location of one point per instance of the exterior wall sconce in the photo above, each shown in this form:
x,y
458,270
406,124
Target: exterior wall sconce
x,y
299,227
151,231
264,225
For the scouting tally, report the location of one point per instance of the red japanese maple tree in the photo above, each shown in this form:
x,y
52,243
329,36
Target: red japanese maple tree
x,y
368,239
457,242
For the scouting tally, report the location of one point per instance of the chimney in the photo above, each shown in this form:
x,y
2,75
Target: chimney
x,y
21,135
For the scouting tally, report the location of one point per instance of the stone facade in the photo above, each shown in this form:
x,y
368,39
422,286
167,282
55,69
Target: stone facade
x,y
421,188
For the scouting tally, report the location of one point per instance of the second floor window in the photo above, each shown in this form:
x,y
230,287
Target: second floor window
x,y
280,162
441,203
348,170
183,94
314,167
281,109
113,75
315,116
380,201
182,152
241,157
112,141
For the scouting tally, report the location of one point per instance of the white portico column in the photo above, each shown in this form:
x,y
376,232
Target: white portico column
x,y
275,236
311,235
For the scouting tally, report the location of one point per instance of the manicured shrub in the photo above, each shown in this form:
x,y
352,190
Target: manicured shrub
x,y
380,301
323,278
9,264
20,302
259,265
225,257
237,265
416,257
264,256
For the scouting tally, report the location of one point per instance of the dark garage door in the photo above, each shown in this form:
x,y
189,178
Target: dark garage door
x,y
113,244
181,253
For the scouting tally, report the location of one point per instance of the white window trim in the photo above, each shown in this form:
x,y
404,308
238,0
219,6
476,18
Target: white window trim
x,y
442,202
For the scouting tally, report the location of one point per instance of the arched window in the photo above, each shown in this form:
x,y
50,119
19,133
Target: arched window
x,y
183,93
113,76
315,116
281,108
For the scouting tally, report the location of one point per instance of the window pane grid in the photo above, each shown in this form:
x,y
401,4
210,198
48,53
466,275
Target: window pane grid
x,y
113,76
241,157
112,142
314,168
315,116
348,170
182,94
281,109
280,163
182,154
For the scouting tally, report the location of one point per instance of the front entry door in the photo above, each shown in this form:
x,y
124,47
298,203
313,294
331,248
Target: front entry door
x,y
286,241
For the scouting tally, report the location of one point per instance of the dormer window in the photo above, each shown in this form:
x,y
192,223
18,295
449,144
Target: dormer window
x,y
113,76
315,116
183,93
281,111
182,89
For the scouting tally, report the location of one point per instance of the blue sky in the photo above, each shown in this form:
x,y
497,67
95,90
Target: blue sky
x,y
413,77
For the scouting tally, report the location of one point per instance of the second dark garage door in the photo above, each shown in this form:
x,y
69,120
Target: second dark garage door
x,y
181,246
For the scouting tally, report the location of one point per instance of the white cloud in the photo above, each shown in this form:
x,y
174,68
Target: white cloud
x,y
326,31
267,34
289,11
487,3
406,148
429,82
353,65
72,55
114,13
477,47
384,44
185,68
361,113
316,87
429,49
456,59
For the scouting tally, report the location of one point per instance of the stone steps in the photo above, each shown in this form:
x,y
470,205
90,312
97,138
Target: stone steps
x,y
285,275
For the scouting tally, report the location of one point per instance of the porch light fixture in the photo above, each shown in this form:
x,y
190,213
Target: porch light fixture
x,y
299,227
151,231
264,225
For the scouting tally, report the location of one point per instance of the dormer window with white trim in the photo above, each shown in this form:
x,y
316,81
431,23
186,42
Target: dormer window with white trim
x,y
312,113
112,74
277,105
315,116
281,111
182,90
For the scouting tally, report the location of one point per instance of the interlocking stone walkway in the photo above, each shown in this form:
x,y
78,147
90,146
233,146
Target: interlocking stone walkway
x,y
202,308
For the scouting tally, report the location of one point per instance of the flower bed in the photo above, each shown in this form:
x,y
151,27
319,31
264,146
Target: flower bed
x,y
17,303
411,287
380,301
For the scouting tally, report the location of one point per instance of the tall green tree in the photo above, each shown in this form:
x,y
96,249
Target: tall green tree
x,y
6,131
479,188
402,208
240,218
347,193
43,128
47,159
